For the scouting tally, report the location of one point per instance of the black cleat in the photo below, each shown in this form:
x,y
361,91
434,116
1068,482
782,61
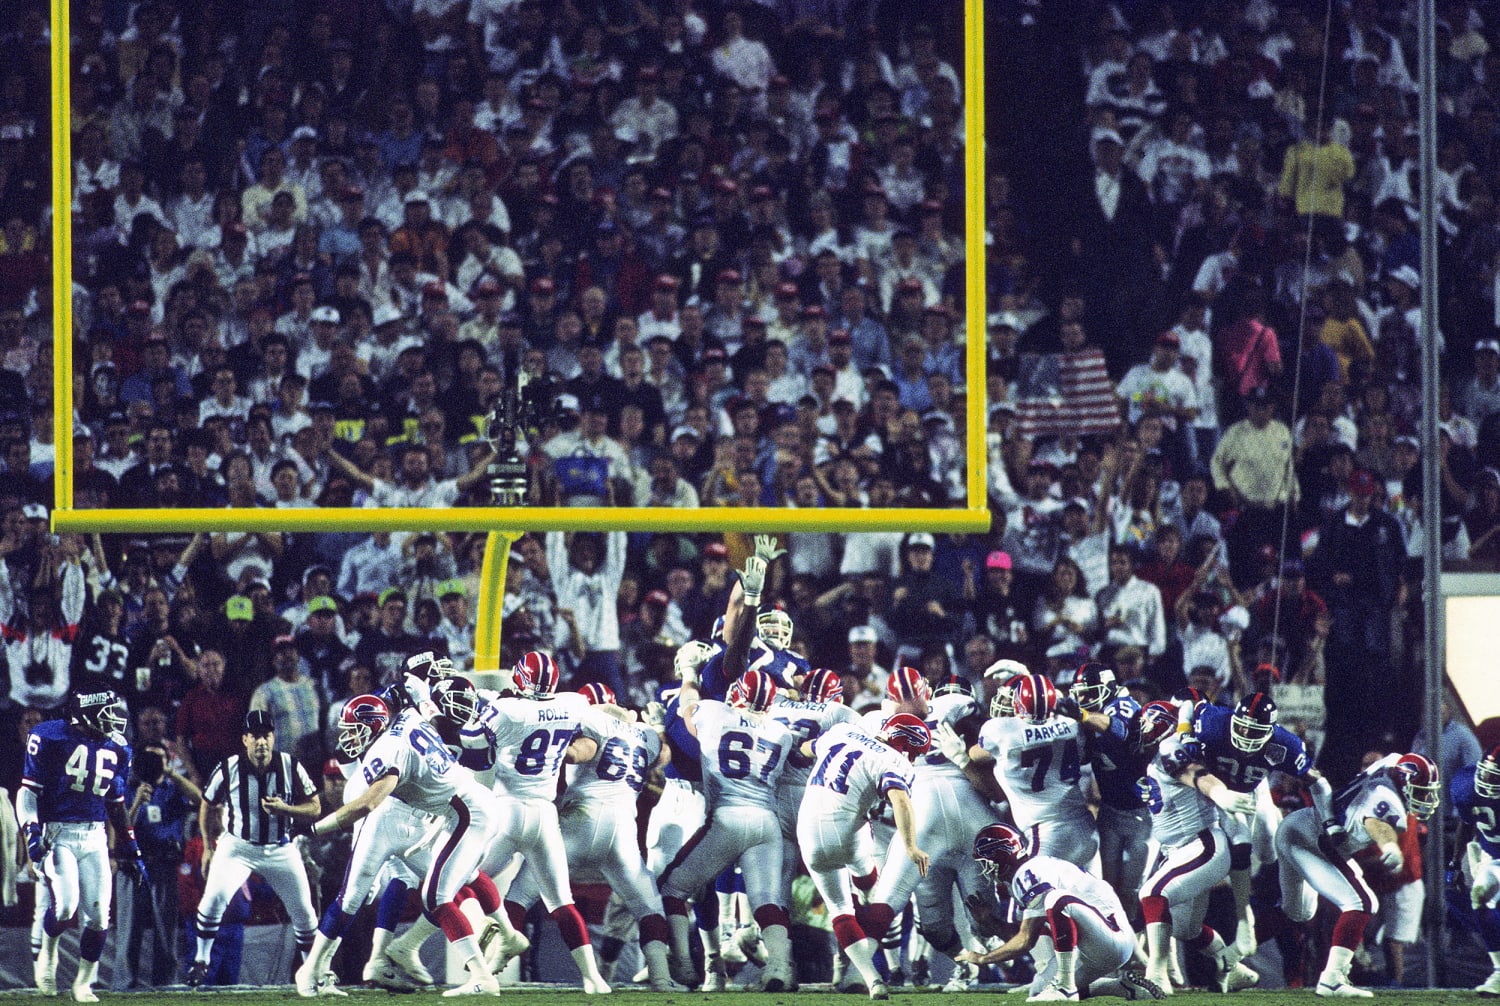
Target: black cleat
x,y
1140,987
197,974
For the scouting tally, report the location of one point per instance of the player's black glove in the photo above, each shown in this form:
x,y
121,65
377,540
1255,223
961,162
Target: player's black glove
x,y
1068,706
36,845
299,826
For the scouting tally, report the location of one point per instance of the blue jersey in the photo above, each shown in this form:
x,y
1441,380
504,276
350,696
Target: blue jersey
x,y
781,665
1482,812
75,774
1118,766
1240,770
685,762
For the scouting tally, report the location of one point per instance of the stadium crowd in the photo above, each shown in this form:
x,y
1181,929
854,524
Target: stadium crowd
x,y
313,243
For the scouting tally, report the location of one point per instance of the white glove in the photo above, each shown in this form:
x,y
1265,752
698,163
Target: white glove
x,y
417,690
655,715
1390,857
951,745
690,657
1235,803
753,579
766,550
1005,668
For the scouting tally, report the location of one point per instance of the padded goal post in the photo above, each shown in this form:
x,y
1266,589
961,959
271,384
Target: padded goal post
x,y
972,517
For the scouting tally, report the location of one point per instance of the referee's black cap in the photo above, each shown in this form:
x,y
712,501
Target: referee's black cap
x,y
258,723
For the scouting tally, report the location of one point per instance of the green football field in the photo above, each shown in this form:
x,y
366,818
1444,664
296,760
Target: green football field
x,y
559,996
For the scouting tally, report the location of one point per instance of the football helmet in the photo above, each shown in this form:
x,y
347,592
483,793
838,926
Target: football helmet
x,y
774,627
365,718
906,734
823,685
955,685
1487,774
103,713
1003,704
1035,697
1252,722
907,684
1420,784
1093,686
456,698
718,630
542,674
598,694
753,690
1000,850
1158,722
430,667
1190,697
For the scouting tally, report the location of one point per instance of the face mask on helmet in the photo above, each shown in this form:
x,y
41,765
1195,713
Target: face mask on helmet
x,y
955,686
1487,775
1004,702
1252,723
774,628
102,712
363,720
1000,850
1420,778
1093,686
456,699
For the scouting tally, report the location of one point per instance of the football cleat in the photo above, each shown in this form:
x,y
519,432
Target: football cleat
x,y
1160,979
500,947
304,979
1338,987
365,717
1491,987
879,991
197,974
1138,987
384,974
751,945
84,994
1237,978
409,963
44,970
1054,993
328,988
482,986
964,977
715,975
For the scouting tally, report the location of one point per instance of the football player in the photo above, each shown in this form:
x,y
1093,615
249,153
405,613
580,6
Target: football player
x,y
743,754
768,636
1083,916
1184,798
945,805
852,769
1241,747
73,780
1475,790
525,739
1036,757
1316,846
596,815
1109,718
404,757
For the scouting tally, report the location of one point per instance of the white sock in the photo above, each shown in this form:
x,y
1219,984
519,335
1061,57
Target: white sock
x,y
472,956
681,928
1239,883
588,967
411,941
1157,943
778,949
1339,959
319,956
88,973
862,956
1067,960
655,953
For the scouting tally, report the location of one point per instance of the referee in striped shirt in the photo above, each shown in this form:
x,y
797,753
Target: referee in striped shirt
x,y
245,820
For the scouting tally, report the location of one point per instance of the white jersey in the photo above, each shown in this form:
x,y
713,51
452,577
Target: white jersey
x,y
951,708
524,741
429,778
1038,765
614,779
807,721
743,755
1370,794
852,769
1178,811
1042,878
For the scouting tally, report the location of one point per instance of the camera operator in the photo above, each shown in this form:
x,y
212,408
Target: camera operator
x,y
163,801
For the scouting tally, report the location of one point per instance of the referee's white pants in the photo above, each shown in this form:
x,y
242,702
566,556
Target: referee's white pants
x,y
749,836
531,828
76,871
392,833
279,865
599,842
832,845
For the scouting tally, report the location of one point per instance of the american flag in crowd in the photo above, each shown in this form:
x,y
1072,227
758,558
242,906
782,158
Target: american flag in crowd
x,y
1059,393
